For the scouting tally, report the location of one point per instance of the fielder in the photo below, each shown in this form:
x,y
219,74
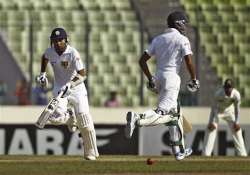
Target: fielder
x,y
226,106
69,74
169,50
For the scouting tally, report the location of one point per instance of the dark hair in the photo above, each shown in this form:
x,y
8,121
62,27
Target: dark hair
x,y
228,83
178,20
175,17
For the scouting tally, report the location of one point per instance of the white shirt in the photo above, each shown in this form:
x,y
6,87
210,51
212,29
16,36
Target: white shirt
x,y
65,66
223,101
169,49
226,104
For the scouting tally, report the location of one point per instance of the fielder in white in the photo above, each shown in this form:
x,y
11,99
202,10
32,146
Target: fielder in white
x,y
69,74
169,49
226,106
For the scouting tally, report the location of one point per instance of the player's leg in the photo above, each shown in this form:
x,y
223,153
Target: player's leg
x,y
167,106
237,137
85,125
148,118
183,149
210,136
71,122
177,138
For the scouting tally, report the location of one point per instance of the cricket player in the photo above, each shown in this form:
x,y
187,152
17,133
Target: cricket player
x,y
69,74
169,49
226,106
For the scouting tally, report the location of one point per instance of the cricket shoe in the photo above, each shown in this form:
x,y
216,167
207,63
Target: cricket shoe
x,y
131,124
90,157
188,152
71,122
179,156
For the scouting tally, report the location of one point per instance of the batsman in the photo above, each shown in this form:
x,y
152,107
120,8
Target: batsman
x,y
69,76
169,49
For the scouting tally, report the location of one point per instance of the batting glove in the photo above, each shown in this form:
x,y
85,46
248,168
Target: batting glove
x,y
151,85
66,90
193,85
42,79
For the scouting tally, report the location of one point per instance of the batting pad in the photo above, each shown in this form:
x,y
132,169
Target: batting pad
x,y
89,140
86,127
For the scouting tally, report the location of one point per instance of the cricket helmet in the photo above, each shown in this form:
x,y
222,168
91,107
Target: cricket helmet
x,y
177,20
58,33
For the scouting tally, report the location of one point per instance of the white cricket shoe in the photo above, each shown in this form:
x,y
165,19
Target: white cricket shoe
x,y
71,122
90,157
131,121
179,156
188,152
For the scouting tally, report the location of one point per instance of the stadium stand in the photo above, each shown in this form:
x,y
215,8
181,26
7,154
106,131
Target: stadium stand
x,y
107,32
113,38
222,26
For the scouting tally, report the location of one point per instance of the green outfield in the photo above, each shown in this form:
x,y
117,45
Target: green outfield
x,y
117,164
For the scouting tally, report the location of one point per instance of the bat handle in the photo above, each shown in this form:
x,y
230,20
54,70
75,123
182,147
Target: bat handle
x,y
60,94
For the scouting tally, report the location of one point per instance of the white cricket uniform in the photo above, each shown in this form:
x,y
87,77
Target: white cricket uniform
x,y
65,67
169,50
226,108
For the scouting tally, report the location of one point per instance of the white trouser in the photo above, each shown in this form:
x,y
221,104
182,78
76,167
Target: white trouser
x,y
210,136
168,85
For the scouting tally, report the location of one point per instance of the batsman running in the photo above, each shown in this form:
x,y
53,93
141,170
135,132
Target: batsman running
x,y
169,49
69,76
226,106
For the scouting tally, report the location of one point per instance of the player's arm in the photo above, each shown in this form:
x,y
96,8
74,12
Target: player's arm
x,y
79,78
81,73
237,112
190,66
186,52
44,63
213,113
42,78
144,66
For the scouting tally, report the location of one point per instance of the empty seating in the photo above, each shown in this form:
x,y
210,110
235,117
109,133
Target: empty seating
x,y
224,34
104,31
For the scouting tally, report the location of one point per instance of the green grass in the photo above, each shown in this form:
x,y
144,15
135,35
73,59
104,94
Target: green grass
x,y
116,164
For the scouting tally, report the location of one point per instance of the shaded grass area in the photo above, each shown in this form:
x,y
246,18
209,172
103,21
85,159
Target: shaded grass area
x,y
75,165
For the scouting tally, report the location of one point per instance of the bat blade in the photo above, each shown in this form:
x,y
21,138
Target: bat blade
x,y
43,118
49,109
187,126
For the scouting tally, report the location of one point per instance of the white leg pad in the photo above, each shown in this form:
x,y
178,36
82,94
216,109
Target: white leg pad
x,y
151,118
87,130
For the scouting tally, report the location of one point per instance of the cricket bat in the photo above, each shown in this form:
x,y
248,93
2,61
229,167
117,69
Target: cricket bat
x,y
49,109
187,126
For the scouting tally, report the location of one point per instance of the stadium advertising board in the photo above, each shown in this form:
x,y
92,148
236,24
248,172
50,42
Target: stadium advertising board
x,y
57,140
154,140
